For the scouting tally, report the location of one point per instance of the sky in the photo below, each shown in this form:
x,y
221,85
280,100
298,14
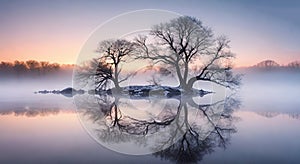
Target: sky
x,y
56,30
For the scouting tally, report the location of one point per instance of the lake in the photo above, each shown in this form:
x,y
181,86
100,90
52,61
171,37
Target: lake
x,y
260,125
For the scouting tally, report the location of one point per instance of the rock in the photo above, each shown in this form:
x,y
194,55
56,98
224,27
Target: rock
x,y
70,92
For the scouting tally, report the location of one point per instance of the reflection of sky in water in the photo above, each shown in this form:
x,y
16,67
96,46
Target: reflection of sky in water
x,y
261,140
52,139
60,138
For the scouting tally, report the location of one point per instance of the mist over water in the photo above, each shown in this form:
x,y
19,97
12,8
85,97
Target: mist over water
x,y
271,90
261,90
14,87
18,94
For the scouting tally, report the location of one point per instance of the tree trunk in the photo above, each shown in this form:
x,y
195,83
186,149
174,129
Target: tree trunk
x,y
181,82
190,84
116,79
185,73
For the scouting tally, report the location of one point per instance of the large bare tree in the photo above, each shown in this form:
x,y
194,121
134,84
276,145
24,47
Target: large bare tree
x,y
184,42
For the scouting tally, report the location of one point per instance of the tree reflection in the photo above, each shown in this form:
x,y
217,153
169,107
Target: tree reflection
x,y
192,146
187,130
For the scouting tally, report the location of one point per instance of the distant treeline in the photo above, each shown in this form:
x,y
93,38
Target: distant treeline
x,y
30,68
273,64
268,66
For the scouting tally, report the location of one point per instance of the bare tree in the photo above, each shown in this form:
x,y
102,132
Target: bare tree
x,y
112,54
33,65
267,64
95,72
106,68
294,64
154,80
184,41
19,67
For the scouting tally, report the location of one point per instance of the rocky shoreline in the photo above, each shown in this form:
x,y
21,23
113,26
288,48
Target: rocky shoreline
x,y
132,91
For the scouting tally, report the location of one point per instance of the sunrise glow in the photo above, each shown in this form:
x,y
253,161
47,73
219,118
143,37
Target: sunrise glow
x,y
56,31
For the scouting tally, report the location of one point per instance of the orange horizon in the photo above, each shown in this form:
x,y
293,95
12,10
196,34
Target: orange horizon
x,y
235,63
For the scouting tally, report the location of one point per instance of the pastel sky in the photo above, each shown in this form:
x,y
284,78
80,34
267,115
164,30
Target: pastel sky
x,y
56,30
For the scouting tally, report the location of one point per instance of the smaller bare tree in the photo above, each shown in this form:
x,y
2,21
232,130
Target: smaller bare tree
x,y
112,54
101,71
96,73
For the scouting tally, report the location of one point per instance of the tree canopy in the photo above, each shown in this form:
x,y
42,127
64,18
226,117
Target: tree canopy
x,y
185,41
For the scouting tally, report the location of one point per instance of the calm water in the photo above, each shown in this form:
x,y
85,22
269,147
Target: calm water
x,y
47,129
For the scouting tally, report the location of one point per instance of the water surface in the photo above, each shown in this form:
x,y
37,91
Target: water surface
x,y
47,129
